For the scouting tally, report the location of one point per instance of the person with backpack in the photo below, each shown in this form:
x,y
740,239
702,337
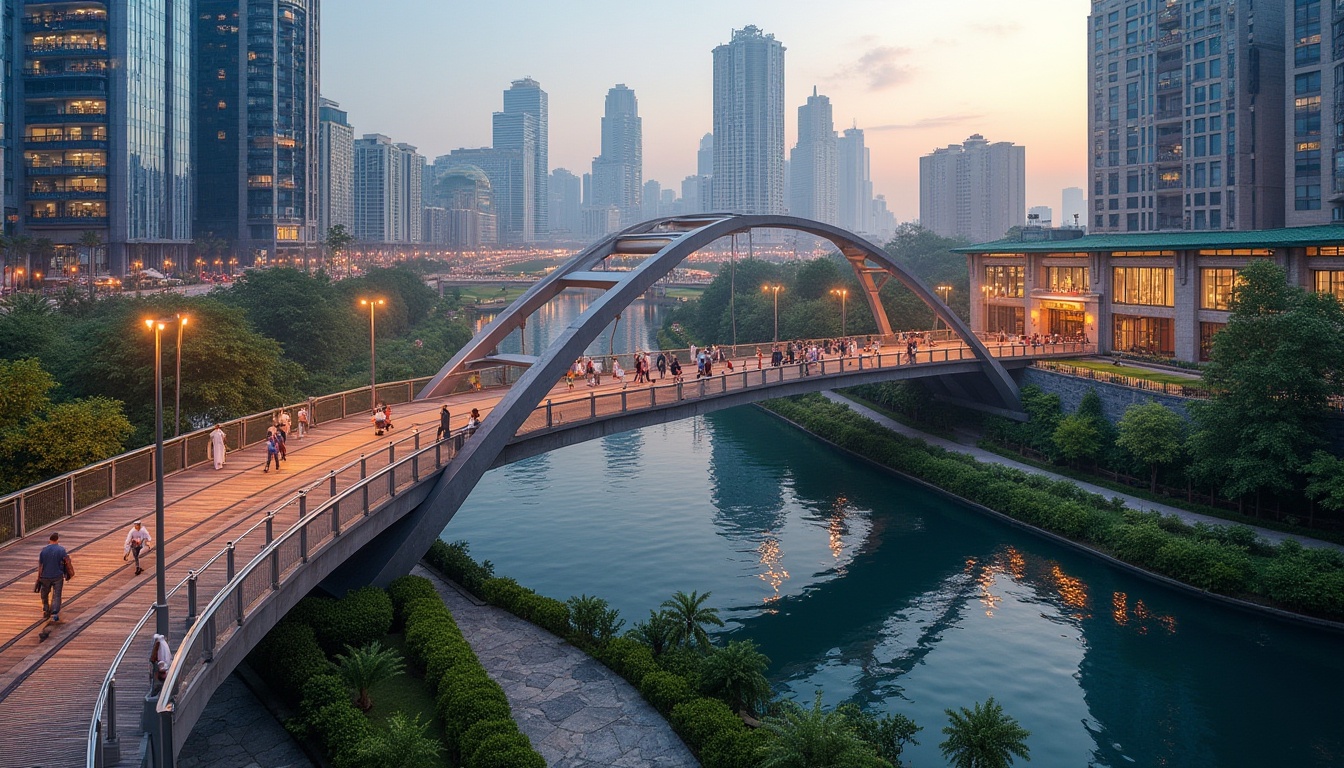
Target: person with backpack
x,y
272,451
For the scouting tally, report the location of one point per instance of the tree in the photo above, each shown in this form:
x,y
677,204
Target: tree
x,y
593,619
338,242
364,667
1154,435
314,322
736,674
1325,480
1273,371
21,247
983,737
690,618
1077,438
655,632
888,734
814,738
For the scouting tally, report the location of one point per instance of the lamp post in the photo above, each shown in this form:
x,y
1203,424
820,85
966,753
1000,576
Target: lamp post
x,y
18,279
373,374
177,378
843,293
774,288
944,290
160,585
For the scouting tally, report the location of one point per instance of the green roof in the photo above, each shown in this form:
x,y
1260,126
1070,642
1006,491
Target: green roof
x,y
1324,234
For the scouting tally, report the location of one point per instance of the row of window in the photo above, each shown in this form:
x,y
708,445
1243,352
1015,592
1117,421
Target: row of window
x,y
1145,286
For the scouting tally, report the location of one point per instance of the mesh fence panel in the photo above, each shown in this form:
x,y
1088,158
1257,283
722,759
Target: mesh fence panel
x,y
9,511
608,404
289,556
172,457
44,505
92,486
393,393
536,420
254,430
198,449
135,470
328,409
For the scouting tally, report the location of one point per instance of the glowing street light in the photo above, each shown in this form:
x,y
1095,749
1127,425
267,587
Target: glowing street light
x,y
843,293
160,586
774,288
944,290
373,375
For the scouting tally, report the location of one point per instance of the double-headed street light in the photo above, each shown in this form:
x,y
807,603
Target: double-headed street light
x,y
843,293
160,585
944,290
373,375
774,288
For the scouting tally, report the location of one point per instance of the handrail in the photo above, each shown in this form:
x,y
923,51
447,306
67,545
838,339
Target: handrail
x,y
1132,382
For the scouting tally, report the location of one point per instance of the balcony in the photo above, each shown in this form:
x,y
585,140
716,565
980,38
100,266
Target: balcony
x,y
64,23
1168,157
1174,84
65,221
1172,113
61,85
1169,16
64,169
53,50
67,118
68,194
1170,184
49,143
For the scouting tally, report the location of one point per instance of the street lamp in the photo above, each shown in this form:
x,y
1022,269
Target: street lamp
x,y
774,288
160,586
843,293
944,290
373,375
177,379
18,279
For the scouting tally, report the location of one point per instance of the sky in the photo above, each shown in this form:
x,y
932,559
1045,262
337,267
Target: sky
x,y
914,75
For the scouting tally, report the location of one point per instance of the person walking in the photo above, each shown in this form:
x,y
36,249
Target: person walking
x,y
473,422
303,421
218,448
444,418
53,570
676,369
285,422
387,413
272,451
137,540
662,365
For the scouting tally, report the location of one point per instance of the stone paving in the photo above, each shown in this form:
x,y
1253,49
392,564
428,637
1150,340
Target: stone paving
x,y
577,712
237,731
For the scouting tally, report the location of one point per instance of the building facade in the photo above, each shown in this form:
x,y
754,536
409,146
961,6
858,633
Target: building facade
x,y
813,166
566,203
854,197
749,124
387,191
975,190
618,173
525,97
1186,116
257,126
1160,294
335,169
1314,113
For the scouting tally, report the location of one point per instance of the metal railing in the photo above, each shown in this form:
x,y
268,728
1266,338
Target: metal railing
x,y
1133,382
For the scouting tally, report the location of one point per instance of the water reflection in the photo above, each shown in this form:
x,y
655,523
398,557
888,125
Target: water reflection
x,y
636,329
773,574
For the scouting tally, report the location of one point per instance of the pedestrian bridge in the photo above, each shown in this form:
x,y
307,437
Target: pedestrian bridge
x,y
245,547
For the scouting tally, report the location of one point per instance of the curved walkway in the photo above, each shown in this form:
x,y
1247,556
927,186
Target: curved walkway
x,y
578,713
1133,502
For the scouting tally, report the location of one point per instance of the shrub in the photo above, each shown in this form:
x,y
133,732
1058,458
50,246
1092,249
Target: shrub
x,y
318,692
473,737
455,562
405,590
1137,543
288,657
665,690
546,612
593,619
630,658
466,707
517,756
700,719
505,593
362,616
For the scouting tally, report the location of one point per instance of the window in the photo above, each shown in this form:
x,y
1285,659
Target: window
x,y
1325,250
1066,279
1308,158
1331,282
1206,333
1216,290
1236,252
1307,197
1005,281
1009,320
1307,82
1150,286
1144,335
1307,125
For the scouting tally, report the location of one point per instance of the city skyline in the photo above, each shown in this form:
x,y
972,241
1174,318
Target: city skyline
x,y
920,84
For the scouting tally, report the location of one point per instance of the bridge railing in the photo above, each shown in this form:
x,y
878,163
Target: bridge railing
x,y
29,509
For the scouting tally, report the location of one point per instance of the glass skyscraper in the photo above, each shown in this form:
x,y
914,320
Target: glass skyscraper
x,y
618,173
525,97
749,124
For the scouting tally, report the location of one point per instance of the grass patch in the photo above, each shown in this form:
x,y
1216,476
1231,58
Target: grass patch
x,y
490,292
685,293
1146,374
408,693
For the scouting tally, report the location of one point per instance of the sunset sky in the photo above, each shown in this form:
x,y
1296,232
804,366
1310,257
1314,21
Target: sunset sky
x,y
913,75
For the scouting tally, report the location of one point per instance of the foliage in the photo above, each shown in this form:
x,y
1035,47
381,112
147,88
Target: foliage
x,y
888,735
29,327
629,657
364,667
289,656
1153,434
403,591
815,738
455,561
665,690
983,737
709,727
691,616
338,724
401,744
655,631
593,620
476,735
1325,480
736,674
362,616
307,314
1077,438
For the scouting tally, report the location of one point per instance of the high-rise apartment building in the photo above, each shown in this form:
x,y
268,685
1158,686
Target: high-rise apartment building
x,y
103,151
651,202
749,124
566,203
618,173
813,166
704,156
257,120
1073,208
387,191
335,169
509,172
974,190
1314,119
854,197
525,97
412,180
1186,115
516,132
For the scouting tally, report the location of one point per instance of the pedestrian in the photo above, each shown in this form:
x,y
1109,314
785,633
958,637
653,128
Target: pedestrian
x,y
444,431
303,421
760,358
217,446
53,570
693,355
272,451
285,423
379,422
662,366
618,372
160,659
273,432
473,422
475,380
137,539
676,369
387,414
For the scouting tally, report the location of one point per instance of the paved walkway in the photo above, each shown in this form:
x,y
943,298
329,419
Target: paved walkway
x,y
1133,502
237,731
577,712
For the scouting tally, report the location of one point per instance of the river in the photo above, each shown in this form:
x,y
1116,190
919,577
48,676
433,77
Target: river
x,y
871,589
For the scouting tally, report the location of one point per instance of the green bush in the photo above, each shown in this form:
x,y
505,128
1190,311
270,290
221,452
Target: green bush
x,y
455,561
665,690
288,657
546,612
518,756
318,692
1205,564
362,616
473,737
1138,544
630,658
593,619
462,708
406,589
505,593
703,721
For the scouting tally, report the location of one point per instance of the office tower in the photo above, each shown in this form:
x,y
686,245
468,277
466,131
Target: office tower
x,y
749,124
1073,208
1186,115
975,190
854,199
704,157
387,191
509,172
434,226
335,169
516,195
566,202
1040,216
667,202
466,194
525,97
412,180
1314,119
883,220
813,164
703,195
257,119
690,195
127,180
618,173
650,204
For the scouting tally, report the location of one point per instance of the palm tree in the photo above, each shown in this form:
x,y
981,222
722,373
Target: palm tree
x,y
402,745
813,738
690,616
363,668
983,737
736,674
654,632
42,249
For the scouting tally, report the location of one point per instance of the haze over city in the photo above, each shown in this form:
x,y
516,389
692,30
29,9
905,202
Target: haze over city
x,y
914,76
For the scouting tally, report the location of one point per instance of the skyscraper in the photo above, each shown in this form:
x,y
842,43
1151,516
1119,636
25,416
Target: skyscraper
x,y
335,169
509,172
812,166
704,157
1314,159
854,201
566,203
618,173
651,201
1186,115
412,180
1073,208
974,190
525,97
749,124
257,113
387,191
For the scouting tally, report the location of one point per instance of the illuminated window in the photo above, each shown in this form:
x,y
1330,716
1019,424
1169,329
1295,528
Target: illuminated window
x,y
1206,333
222,105
1330,281
287,233
221,135
1123,254
1325,250
1066,279
1217,288
1236,252
1005,281
1150,286
1144,335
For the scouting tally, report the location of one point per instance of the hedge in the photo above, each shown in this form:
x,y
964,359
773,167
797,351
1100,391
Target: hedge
x,y
288,657
1229,560
362,616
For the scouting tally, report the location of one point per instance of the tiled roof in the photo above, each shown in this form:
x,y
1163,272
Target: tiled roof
x,y
1324,234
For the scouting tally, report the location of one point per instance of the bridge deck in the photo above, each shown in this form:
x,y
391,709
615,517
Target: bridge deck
x,y
48,689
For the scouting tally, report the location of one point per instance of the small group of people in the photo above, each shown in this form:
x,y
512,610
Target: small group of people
x,y
445,423
277,435
382,418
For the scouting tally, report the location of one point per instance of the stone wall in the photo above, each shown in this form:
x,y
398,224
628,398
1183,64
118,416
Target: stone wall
x,y
1114,398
